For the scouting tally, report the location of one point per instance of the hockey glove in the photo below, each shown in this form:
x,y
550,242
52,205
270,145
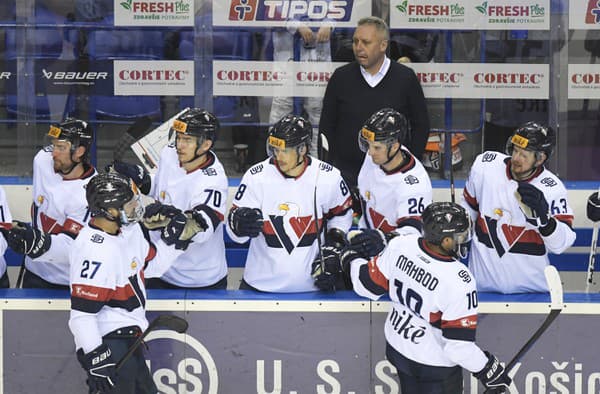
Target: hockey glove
x,y
24,239
100,368
326,281
534,204
593,207
137,173
245,222
172,232
493,376
157,215
367,242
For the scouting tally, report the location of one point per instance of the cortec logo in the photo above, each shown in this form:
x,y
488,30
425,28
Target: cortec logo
x,y
282,10
250,75
313,76
153,75
592,15
508,78
177,7
439,77
585,79
197,372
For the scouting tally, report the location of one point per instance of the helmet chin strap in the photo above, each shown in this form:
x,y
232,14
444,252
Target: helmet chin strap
x,y
196,155
391,157
75,163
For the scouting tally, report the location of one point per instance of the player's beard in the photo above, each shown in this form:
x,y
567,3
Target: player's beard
x,y
519,172
63,168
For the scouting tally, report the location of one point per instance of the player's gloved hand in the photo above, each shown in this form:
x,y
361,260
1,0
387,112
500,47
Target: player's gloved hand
x,y
172,232
246,222
100,367
534,199
157,215
24,239
493,376
366,242
137,173
593,207
326,280
196,222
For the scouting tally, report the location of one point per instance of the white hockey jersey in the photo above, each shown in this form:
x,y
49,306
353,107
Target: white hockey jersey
x,y
6,222
508,254
107,283
203,263
433,315
59,208
280,258
394,201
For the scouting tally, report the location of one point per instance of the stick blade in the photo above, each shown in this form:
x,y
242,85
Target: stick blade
x,y
555,287
172,322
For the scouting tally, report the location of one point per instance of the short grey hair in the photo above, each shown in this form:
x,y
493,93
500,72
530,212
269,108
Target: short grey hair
x,y
379,24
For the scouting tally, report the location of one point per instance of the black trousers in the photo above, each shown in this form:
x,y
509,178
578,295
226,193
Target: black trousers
x,y
416,378
33,281
157,283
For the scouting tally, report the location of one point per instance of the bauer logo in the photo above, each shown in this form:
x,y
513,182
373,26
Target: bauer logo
x,y
195,370
282,10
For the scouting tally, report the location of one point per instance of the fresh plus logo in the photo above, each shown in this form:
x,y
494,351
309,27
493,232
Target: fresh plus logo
x,y
482,8
242,10
592,16
402,7
126,4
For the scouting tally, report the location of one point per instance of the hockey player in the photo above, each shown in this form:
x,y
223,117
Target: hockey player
x,y
190,182
279,205
521,212
430,329
107,287
60,172
393,184
5,224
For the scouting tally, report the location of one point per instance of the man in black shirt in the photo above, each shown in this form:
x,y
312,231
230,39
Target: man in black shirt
x,y
364,86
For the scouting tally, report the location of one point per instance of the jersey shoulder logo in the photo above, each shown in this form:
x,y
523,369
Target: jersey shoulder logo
x,y
411,180
548,182
209,171
325,167
256,169
488,157
97,238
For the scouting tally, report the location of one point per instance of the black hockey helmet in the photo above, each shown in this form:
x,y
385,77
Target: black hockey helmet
x,y
291,131
77,132
533,137
198,123
446,219
386,126
112,190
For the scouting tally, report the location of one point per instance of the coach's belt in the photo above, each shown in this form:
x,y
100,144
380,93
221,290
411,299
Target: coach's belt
x,y
125,332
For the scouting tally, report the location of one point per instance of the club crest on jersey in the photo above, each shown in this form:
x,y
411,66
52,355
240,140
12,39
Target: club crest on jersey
x,y
368,195
288,229
134,264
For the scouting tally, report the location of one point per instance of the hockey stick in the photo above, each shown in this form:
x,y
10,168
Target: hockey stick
x,y
133,133
592,258
556,306
171,322
317,229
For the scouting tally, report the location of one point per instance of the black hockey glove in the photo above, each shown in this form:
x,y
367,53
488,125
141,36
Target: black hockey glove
x,y
173,231
533,198
157,215
137,173
493,376
593,207
24,239
246,222
100,368
367,242
326,281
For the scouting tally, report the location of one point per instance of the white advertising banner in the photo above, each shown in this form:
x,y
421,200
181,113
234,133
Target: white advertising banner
x,y
584,81
483,80
154,78
470,14
439,80
266,13
584,14
154,13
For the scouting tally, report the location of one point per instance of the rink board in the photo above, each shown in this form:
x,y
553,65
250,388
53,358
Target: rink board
x,y
242,342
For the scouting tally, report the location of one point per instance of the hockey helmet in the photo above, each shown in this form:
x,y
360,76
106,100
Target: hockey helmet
x,y
77,132
198,123
291,131
533,137
446,219
113,190
386,126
